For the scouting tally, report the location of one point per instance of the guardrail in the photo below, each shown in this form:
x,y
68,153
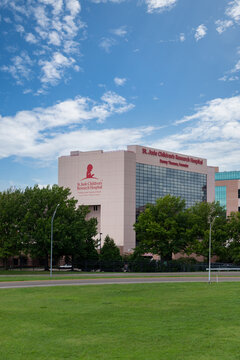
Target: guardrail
x,y
223,269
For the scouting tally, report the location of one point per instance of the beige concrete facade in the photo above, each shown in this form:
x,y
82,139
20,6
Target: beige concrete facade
x,y
106,181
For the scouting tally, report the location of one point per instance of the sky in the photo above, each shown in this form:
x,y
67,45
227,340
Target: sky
x,y
104,74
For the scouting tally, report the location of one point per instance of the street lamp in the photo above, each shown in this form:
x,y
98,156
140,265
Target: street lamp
x,y
100,241
52,239
210,246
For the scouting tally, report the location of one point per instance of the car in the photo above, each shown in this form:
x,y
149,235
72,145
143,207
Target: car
x,y
65,266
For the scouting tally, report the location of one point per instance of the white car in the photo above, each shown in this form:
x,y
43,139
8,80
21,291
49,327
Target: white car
x,y
66,266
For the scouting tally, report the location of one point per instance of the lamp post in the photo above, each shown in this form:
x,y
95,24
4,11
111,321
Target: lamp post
x,y
52,239
100,241
210,248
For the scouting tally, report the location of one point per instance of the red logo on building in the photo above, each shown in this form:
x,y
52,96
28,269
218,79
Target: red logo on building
x,y
89,185
89,174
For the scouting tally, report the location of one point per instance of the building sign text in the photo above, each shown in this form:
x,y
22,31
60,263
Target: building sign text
x,y
172,159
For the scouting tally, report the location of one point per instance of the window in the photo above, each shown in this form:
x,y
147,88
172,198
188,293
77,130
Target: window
x,y
227,175
95,207
153,182
221,195
239,193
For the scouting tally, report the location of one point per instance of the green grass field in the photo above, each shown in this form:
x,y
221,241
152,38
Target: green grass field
x,y
141,321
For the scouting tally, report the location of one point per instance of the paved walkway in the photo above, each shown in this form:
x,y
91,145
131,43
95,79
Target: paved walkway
x,y
122,280
123,274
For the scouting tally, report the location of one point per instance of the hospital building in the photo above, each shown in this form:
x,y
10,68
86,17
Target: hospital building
x,y
116,185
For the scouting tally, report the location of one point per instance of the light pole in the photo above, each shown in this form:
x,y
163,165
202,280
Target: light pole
x,y
210,248
52,239
100,240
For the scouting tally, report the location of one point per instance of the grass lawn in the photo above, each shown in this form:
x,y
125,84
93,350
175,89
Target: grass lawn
x,y
138,322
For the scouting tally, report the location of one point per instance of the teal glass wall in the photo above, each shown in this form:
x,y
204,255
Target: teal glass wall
x,y
221,195
227,175
153,182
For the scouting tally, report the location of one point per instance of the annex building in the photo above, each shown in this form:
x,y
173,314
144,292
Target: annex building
x,y
227,190
116,185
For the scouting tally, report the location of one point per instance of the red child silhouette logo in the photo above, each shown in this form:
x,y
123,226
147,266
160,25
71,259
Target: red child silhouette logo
x,y
89,174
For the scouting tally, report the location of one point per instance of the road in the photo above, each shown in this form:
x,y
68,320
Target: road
x,y
120,280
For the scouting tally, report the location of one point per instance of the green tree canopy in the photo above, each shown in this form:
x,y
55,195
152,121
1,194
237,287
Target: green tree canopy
x,y
200,216
25,223
110,251
40,204
11,214
233,242
161,228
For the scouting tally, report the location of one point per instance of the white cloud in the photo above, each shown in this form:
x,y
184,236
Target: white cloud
x,y
120,81
229,75
69,26
222,25
229,78
201,31
111,102
44,133
73,6
152,5
236,67
19,28
27,91
121,31
55,28
30,38
212,132
233,10
182,37
41,17
53,69
77,68
54,38
159,5
20,67
57,5
7,20
106,44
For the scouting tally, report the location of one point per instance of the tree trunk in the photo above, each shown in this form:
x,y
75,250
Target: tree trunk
x,y
72,263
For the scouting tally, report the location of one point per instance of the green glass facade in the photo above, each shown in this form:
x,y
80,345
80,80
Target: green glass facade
x,y
153,182
221,195
227,175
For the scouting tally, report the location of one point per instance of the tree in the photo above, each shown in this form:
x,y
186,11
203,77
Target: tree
x,y
110,251
71,230
25,224
11,213
110,258
79,232
233,243
200,216
161,227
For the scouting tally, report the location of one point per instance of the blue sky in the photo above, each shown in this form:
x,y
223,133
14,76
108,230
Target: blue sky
x,y
104,74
